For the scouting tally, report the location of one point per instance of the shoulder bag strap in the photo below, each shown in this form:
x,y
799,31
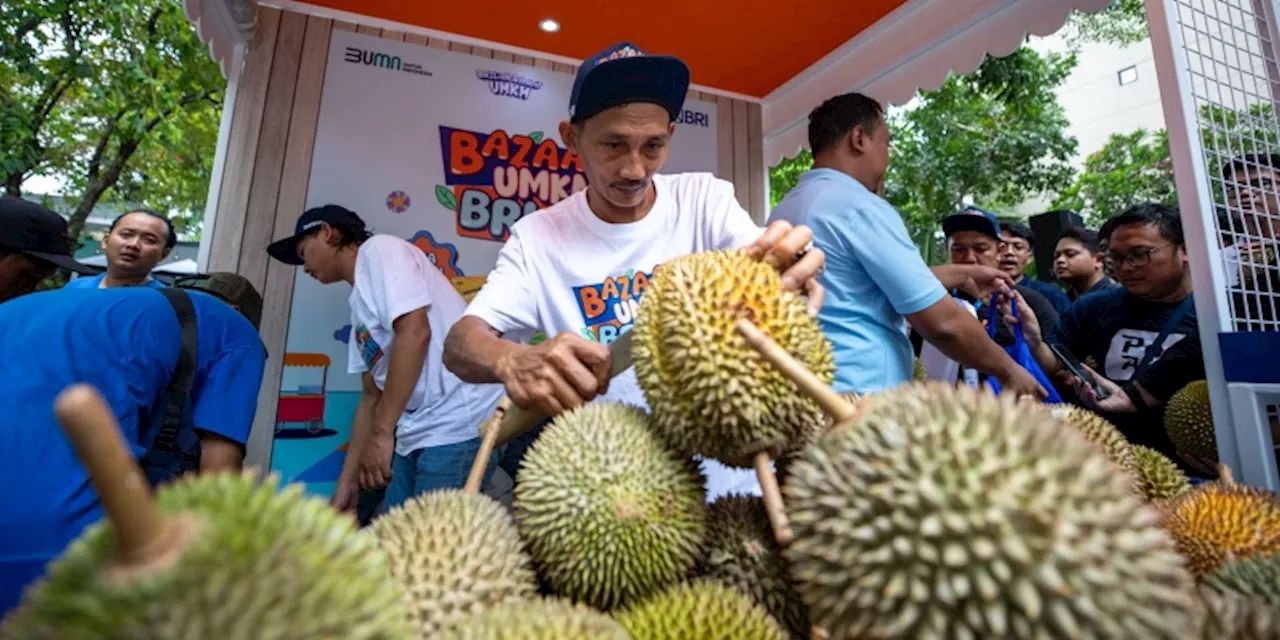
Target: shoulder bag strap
x,y
1155,349
170,436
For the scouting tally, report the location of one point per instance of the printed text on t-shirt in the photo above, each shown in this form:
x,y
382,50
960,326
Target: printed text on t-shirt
x,y
609,308
1129,346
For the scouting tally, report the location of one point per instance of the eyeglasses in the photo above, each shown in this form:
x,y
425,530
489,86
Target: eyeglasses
x,y
1137,258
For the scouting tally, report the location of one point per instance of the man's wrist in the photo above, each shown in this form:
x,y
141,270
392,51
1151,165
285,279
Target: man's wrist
x,y
383,429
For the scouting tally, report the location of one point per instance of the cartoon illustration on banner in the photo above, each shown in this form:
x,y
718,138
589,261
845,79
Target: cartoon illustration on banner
x,y
493,179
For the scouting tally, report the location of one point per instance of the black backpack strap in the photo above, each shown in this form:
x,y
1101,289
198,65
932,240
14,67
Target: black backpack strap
x,y
172,442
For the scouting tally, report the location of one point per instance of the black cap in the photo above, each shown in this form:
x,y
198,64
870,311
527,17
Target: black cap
x,y
622,74
971,219
286,250
37,232
234,289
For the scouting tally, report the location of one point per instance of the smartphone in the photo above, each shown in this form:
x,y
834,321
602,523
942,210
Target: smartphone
x,y
1078,370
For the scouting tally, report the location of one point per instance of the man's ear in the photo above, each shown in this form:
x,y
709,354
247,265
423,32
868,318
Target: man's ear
x,y
569,134
857,139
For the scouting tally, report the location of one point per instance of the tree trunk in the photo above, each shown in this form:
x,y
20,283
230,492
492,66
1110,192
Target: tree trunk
x,y
13,185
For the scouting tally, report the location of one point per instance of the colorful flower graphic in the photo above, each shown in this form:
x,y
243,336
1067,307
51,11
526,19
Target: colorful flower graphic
x,y
398,201
442,254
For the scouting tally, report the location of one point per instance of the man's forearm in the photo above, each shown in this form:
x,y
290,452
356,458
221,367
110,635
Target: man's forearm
x,y
952,276
960,336
219,454
473,351
407,357
361,429
1045,358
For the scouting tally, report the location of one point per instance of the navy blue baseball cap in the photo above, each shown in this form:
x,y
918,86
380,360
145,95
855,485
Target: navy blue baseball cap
x,y
971,219
623,74
286,249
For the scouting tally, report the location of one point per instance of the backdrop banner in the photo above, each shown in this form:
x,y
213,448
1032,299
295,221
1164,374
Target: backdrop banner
x,y
446,150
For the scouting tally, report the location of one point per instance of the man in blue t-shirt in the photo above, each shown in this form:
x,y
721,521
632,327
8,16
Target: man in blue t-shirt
x,y
875,275
1121,327
136,242
126,343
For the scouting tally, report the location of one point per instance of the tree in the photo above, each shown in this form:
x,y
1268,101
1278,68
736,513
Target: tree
x,y
996,137
115,98
1131,168
1123,23
1136,167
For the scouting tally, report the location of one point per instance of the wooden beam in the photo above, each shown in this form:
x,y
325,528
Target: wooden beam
x,y
741,166
755,163
724,138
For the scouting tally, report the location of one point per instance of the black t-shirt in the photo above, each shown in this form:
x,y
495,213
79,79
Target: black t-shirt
x,y
1116,327
1040,305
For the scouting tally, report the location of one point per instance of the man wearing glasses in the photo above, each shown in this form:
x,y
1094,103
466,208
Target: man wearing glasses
x,y
1144,333
1252,218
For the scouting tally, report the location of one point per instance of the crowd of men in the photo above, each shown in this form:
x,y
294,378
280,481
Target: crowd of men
x,y
181,366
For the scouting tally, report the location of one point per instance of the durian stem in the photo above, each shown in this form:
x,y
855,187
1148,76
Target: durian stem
x,y
810,385
487,443
773,500
139,526
1224,475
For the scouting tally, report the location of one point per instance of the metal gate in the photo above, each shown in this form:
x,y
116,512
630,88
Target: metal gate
x,y
1219,84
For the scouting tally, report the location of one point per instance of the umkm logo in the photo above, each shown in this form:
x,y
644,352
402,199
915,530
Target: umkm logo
x,y
509,85
371,58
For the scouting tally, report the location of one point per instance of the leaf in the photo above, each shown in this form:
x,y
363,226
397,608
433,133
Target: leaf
x,y
536,137
446,198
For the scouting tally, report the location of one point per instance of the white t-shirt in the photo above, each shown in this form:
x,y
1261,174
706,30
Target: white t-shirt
x,y
393,277
565,270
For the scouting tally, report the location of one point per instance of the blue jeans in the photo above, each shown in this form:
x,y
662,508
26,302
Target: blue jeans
x,y
433,468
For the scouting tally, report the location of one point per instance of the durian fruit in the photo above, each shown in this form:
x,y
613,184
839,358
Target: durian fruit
x,y
1220,520
1099,431
1189,421
711,394
456,553
1159,478
947,512
609,513
538,619
264,563
700,609
1231,616
743,553
1257,576
919,372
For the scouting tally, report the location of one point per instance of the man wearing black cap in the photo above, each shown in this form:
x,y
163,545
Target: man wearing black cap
x,y
576,270
129,343
33,245
416,428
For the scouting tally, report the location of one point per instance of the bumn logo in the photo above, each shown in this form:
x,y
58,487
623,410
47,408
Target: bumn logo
x,y
693,118
509,85
371,58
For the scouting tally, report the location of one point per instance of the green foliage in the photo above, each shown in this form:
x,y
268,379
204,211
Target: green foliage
x,y
1124,23
1230,133
118,99
1131,168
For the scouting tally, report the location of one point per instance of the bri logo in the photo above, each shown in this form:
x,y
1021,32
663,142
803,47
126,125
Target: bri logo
x,y
693,118
371,58
509,85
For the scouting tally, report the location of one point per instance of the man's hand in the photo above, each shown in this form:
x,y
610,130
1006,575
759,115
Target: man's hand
x,y
1117,401
980,282
1026,317
347,495
790,250
557,375
1021,383
375,460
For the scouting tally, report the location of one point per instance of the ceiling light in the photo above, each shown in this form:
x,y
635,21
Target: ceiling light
x,y
549,25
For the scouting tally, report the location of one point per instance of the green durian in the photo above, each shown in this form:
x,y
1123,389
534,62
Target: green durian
x,y
700,609
1159,478
538,619
1188,419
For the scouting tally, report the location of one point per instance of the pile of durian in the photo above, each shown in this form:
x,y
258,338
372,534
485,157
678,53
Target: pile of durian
x,y
927,511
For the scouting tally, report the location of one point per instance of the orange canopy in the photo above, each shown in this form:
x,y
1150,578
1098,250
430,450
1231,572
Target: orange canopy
x,y
749,47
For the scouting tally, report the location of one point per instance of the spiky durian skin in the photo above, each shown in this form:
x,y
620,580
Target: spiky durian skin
x,y
1220,520
1159,478
1257,576
456,554
1231,616
264,564
700,609
711,394
609,513
1099,431
947,512
918,371
1188,420
743,553
539,619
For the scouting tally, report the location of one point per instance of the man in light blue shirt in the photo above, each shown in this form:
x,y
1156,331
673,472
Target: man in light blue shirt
x,y
875,279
